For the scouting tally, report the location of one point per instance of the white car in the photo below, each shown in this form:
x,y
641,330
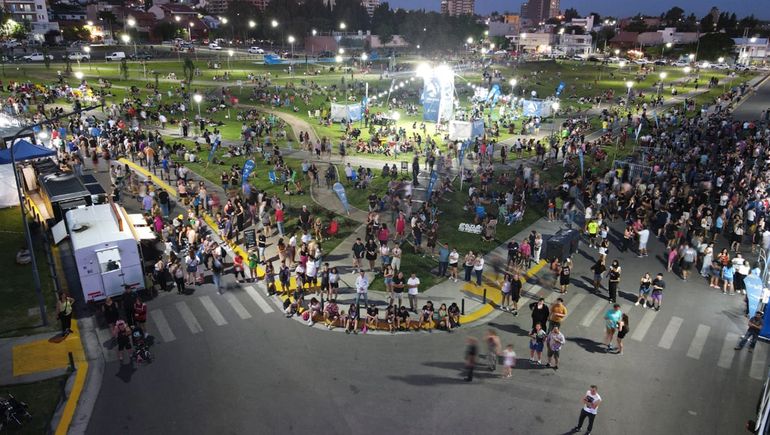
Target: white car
x,y
680,63
78,56
614,59
36,57
215,46
642,61
256,50
720,66
11,43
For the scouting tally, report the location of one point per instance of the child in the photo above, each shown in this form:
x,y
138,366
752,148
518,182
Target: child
x,y
390,315
238,268
509,360
351,321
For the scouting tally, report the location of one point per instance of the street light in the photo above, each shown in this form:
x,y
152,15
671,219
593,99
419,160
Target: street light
x,y
252,24
341,51
629,85
87,49
721,60
662,76
338,58
663,50
230,54
469,40
364,57
343,26
617,52
78,75
198,98
555,107
512,82
314,32
131,22
273,23
687,70
190,25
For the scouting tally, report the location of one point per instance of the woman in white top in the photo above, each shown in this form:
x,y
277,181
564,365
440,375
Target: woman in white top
x,y
454,259
478,268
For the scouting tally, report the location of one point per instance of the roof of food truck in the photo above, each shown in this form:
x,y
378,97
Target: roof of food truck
x,y
98,224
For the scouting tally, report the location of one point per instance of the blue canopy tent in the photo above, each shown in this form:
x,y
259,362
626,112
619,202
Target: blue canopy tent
x,y
23,150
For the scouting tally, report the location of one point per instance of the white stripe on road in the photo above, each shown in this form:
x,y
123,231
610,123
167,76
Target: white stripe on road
x,y
667,340
162,324
258,299
573,303
533,291
644,325
217,316
237,306
728,350
758,368
188,317
595,310
696,347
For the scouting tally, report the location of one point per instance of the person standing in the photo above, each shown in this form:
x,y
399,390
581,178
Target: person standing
x,y
443,259
658,285
644,236
591,402
516,286
468,261
564,274
412,286
598,269
64,310
612,320
454,258
540,312
623,329
140,315
359,249
537,338
558,313
614,275
509,361
478,269
755,325
645,287
471,352
395,257
554,342
362,289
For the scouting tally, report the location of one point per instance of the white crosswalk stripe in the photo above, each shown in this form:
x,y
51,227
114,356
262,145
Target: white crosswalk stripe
x,y
728,352
161,324
758,368
188,317
697,344
574,302
551,297
237,306
258,299
595,310
667,340
643,326
213,311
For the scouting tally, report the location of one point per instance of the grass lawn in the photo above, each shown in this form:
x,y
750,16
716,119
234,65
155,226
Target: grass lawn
x,y
19,313
260,180
42,398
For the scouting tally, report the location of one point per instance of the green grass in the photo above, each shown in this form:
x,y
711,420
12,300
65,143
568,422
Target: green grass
x,y
42,397
19,313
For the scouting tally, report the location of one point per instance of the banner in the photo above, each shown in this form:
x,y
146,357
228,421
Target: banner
x,y
339,189
532,108
560,88
580,157
494,94
431,99
438,95
248,168
461,157
213,149
431,185
346,112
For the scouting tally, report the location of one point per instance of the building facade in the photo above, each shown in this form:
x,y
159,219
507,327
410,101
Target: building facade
x,y
752,50
458,7
216,7
33,11
538,11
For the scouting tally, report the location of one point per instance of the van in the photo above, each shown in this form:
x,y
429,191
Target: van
x,y
116,55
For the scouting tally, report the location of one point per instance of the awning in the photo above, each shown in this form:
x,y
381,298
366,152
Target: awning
x,y
24,150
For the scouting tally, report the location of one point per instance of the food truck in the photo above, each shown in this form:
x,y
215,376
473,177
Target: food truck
x,y
106,243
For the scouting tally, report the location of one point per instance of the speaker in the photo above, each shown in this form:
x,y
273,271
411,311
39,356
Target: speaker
x,y
562,245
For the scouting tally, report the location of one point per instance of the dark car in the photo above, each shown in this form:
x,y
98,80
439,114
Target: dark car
x,y
593,59
142,55
660,62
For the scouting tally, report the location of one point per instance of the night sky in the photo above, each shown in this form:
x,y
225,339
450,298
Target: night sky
x,y
612,7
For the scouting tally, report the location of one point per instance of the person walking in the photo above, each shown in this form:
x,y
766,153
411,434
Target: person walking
x,y
689,255
614,275
471,352
554,342
509,361
611,324
591,401
752,333
64,311
598,269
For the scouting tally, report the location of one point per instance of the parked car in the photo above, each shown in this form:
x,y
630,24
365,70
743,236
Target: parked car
x,y
78,56
215,46
36,57
11,43
661,62
681,63
720,66
642,61
116,55
142,55
256,50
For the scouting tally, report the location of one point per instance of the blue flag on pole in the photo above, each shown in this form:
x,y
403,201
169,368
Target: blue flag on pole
x,y
580,157
431,185
248,168
560,88
213,149
461,156
339,189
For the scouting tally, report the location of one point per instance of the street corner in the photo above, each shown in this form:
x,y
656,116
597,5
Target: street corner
x,y
45,355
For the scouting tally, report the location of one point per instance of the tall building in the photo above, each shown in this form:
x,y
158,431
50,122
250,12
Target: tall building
x,y
35,12
458,7
369,5
538,11
220,6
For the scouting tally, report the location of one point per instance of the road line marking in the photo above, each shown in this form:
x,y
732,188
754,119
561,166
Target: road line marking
x,y
595,310
237,306
670,333
188,317
644,325
214,312
162,324
728,350
266,308
758,368
573,303
551,297
696,346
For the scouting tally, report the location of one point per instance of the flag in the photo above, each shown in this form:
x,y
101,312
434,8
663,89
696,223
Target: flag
x,y
462,152
213,148
560,88
248,168
580,157
431,185
339,189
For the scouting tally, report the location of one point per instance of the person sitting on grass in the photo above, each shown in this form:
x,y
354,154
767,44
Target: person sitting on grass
x,y
372,317
351,320
402,319
331,313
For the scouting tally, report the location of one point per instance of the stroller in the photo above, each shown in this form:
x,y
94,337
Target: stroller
x,y
141,346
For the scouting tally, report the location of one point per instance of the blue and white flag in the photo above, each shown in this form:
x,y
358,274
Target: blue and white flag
x,y
560,88
339,189
431,185
248,168
213,149
463,147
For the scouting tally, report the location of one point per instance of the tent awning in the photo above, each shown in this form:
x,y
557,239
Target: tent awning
x,y
23,150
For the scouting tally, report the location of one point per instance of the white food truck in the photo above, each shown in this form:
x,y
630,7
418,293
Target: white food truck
x,y
105,242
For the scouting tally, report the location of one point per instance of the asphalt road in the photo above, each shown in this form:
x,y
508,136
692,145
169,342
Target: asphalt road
x,y
751,109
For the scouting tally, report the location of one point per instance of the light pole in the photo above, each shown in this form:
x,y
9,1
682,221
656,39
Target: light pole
x,y
555,108
190,25
663,49
198,98
79,76
629,85
230,54
291,42
662,77
513,83
87,49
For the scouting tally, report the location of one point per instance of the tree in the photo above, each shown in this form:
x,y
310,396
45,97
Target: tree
x,y
46,58
166,30
674,15
76,33
715,45
571,13
188,70
124,68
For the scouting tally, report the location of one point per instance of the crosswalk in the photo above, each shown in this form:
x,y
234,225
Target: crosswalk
x,y
661,329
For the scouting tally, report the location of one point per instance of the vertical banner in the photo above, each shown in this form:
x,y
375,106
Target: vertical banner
x,y
339,189
461,157
431,99
213,149
248,168
560,88
580,157
447,101
431,185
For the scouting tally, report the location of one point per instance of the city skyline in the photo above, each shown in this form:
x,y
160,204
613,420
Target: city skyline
x,y
605,7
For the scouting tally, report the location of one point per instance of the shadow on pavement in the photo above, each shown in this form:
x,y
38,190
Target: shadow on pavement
x,y
126,372
512,328
587,344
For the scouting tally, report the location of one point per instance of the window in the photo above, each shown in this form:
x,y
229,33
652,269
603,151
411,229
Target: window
x,y
109,260
39,7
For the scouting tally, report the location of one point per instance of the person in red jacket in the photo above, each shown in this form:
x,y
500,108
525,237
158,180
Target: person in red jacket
x,y
140,314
